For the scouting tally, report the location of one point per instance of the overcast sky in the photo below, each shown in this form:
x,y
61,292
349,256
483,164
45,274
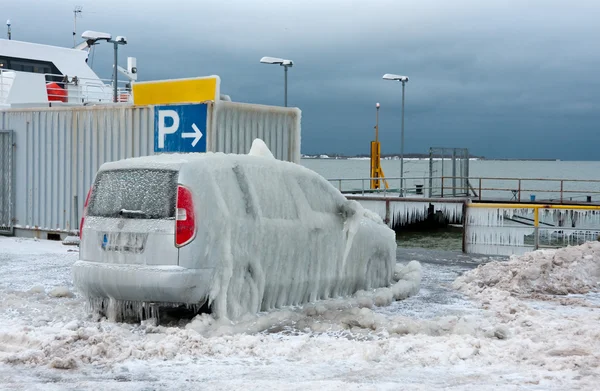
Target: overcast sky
x,y
506,79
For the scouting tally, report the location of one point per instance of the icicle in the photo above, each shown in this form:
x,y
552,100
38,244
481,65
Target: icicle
x,y
494,231
404,213
502,231
453,212
125,310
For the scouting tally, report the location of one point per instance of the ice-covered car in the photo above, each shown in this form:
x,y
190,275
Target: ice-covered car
x,y
236,233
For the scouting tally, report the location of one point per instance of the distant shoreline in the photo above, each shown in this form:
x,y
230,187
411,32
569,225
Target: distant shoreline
x,y
418,157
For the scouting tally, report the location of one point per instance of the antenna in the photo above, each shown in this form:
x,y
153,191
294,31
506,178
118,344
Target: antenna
x,y
76,13
8,26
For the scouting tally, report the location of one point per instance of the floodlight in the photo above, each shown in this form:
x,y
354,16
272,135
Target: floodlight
x,y
391,76
275,60
285,64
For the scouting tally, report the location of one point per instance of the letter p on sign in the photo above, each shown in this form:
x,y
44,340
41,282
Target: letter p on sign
x,y
163,129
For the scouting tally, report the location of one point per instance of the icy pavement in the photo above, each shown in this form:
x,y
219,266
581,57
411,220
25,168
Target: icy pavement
x,y
467,333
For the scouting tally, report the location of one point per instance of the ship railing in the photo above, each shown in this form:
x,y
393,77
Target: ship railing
x,y
553,190
6,82
71,90
86,90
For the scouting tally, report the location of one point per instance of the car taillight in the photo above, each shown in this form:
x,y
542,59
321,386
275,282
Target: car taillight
x,y
87,200
185,220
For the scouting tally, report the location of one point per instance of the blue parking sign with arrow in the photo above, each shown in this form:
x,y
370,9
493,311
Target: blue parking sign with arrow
x,y
180,128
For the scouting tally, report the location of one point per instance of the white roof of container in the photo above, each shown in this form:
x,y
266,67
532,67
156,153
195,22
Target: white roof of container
x,y
175,160
70,62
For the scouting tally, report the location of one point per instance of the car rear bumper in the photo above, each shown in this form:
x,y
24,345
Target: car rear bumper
x,y
142,283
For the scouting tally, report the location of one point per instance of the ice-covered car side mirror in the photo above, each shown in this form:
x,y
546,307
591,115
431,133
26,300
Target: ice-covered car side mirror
x,y
348,209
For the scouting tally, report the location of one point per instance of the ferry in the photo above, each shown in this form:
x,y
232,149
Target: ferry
x,y
37,75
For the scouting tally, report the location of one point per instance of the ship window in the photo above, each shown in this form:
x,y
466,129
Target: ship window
x,y
30,66
26,65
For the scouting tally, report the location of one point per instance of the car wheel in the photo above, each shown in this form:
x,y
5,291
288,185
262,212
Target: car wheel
x,y
376,272
245,290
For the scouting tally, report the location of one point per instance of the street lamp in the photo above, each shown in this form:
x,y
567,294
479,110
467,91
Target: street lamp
x,y
285,64
120,40
93,36
403,80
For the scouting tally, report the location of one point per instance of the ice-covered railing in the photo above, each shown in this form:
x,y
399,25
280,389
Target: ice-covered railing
x,y
480,188
512,229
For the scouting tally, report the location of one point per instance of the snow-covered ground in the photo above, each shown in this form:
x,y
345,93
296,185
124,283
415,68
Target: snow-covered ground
x,y
494,327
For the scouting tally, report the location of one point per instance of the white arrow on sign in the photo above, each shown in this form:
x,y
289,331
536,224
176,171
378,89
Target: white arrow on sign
x,y
197,135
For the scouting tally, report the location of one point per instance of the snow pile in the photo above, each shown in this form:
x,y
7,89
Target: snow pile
x,y
558,272
537,328
61,291
71,240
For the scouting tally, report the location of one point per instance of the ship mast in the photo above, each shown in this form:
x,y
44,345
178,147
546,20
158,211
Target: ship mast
x,y
76,14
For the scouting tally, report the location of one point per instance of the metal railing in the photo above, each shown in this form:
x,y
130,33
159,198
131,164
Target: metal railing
x,y
528,189
72,90
397,185
6,81
481,188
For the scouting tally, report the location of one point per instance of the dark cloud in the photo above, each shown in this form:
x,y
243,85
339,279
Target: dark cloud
x,y
503,78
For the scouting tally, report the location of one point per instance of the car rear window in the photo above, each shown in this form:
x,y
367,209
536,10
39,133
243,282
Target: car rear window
x,y
134,193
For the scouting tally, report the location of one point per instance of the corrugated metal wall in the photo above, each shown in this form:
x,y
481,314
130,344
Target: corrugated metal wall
x,y
236,125
59,150
6,181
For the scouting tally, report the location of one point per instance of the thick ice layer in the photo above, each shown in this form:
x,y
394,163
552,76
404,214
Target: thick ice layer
x,y
317,257
325,316
562,271
259,148
272,233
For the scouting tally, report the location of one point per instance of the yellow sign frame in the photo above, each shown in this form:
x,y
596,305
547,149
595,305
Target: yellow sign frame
x,y
173,91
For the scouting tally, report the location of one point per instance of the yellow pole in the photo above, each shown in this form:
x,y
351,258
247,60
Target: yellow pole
x,y
374,182
375,153
376,170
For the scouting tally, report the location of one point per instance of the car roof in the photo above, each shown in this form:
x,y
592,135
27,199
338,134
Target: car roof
x,y
175,161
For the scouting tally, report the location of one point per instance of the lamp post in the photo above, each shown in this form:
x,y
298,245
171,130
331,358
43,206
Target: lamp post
x,y
403,80
92,37
285,64
120,40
